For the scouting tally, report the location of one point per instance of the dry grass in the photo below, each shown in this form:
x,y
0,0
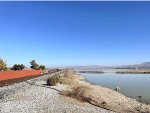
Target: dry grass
x,y
69,78
70,74
78,92
64,80
82,93
76,89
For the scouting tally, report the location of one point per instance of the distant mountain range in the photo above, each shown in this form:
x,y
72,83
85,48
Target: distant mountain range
x,y
142,65
134,66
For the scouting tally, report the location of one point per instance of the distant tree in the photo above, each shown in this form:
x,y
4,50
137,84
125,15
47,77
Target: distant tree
x,y
34,65
22,66
18,67
2,65
42,67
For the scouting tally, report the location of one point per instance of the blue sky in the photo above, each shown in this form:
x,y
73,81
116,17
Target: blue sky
x,y
75,33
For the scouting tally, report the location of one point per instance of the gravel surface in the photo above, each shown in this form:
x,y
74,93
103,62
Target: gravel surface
x,y
33,96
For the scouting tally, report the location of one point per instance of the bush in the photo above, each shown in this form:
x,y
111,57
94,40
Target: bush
x,y
77,92
42,67
53,80
18,67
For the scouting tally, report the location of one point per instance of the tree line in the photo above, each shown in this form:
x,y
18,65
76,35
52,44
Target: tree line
x,y
34,65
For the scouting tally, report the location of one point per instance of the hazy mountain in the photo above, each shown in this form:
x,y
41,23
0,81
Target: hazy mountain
x,y
93,67
145,64
134,66
142,65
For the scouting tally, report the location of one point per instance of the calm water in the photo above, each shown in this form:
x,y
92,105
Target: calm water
x,y
131,85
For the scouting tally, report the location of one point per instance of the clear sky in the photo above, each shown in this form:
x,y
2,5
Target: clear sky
x,y
75,33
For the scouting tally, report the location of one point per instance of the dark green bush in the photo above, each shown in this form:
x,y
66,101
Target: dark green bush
x,y
42,67
18,67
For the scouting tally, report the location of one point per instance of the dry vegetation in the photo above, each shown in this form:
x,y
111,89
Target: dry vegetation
x,y
69,78
51,81
100,96
71,75
97,95
77,92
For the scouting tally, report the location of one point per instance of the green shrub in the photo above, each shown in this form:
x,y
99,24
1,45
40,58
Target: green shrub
x,y
18,67
42,67
53,80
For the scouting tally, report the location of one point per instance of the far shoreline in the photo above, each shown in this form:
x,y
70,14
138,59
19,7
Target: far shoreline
x,y
117,71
